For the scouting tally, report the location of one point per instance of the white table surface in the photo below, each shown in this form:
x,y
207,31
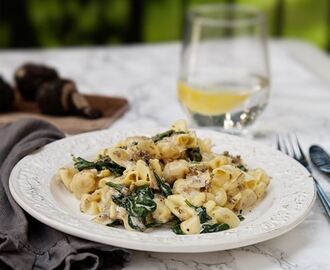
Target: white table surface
x,y
146,75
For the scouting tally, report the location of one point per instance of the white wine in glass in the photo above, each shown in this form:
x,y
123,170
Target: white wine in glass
x,y
224,74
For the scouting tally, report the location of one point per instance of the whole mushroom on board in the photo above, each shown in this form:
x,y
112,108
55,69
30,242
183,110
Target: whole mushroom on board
x,y
29,77
7,96
61,97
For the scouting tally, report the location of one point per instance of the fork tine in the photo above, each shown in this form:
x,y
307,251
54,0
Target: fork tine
x,y
299,148
278,145
302,159
281,145
285,146
294,153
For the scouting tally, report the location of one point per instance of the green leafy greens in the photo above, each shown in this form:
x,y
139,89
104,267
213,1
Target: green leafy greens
x,y
141,203
114,223
242,167
201,211
117,187
240,217
211,228
168,133
194,154
138,204
176,226
204,218
101,164
162,135
164,187
132,223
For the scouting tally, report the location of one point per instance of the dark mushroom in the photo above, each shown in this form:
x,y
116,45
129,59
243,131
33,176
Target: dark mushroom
x,y
54,97
61,97
7,96
30,77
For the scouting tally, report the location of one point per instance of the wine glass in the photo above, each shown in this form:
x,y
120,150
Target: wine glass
x,y
224,74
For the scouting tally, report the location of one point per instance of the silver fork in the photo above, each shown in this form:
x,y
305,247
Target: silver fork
x,y
292,148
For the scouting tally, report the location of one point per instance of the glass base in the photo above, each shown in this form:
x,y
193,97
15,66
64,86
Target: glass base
x,y
223,124
246,132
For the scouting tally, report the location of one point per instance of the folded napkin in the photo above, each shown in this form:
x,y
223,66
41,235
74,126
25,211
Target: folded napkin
x,y
26,243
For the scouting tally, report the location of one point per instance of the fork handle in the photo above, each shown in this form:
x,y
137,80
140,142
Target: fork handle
x,y
323,197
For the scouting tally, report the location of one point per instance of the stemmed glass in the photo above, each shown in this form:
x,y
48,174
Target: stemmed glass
x,y
224,73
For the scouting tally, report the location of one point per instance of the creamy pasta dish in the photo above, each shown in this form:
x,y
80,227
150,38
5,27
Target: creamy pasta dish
x,y
170,178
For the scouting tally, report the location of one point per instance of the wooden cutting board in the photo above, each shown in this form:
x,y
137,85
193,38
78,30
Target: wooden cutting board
x,y
112,108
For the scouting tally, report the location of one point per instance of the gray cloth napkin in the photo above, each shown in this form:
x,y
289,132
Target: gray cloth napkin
x,y
26,243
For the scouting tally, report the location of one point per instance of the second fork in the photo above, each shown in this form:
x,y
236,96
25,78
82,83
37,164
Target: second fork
x,y
293,149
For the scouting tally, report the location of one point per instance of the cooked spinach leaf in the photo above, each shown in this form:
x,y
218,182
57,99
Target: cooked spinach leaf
x,y
176,226
120,200
162,135
101,164
164,187
242,167
138,204
82,164
132,224
201,211
114,223
117,187
240,217
153,224
194,154
168,133
211,228
109,164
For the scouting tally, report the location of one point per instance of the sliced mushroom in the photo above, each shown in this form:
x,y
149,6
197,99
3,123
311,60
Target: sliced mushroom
x,y
30,77
61,97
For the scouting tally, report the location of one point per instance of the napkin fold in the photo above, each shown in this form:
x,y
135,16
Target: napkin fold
x,y
26,243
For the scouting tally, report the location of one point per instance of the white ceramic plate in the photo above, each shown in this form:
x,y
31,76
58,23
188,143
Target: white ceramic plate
x,y
290,195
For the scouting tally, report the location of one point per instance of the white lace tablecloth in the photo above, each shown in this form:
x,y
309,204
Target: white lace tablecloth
x,y
146,75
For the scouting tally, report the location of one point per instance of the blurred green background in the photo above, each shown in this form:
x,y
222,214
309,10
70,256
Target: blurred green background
x,y
53,23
